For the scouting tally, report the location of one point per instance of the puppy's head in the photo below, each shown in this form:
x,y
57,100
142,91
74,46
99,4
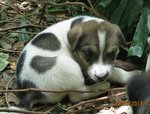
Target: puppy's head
x,y
95,46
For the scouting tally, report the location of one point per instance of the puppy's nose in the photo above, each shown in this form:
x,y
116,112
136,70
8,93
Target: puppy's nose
x,y
100,79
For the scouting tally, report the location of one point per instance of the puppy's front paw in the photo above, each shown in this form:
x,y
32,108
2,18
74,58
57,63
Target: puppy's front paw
x,y
101,85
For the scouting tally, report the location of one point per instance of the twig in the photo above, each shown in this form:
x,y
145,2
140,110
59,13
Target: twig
x,y
93,9
75,4
57,91
31,33
15,9
21,111
20,27
96,100
9,51
6,94
12,8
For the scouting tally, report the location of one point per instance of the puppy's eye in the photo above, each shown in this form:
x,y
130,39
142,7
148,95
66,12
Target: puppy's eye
x,y
113,54
87,52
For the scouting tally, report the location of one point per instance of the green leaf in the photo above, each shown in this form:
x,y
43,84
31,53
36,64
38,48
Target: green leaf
x,y
22,36
104,3
141,33
58,108
3,15
3,61
129,17
116,16
136,6
148,21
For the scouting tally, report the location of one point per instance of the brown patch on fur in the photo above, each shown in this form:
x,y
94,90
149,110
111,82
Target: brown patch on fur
x,y
83,39
113,34
114,40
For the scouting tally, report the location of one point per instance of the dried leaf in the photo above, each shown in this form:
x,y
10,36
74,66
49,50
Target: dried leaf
x,y
13,98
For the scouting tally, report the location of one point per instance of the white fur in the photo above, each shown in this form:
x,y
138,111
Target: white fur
x,y
100,69
102,42
122,76
76,97
66,74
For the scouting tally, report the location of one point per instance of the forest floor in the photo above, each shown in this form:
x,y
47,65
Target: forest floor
x,y
19,22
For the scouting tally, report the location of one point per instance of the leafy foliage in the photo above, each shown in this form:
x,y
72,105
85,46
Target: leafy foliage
x,y
23,37
22,20
3,61
127,14
132,16
140,35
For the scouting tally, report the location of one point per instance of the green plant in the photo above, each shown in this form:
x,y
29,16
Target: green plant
x,y
133,16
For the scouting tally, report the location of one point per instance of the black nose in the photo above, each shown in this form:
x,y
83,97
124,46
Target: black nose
x,y
100,79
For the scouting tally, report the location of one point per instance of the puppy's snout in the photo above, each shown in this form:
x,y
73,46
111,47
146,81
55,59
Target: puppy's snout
x,y
101,78
99,72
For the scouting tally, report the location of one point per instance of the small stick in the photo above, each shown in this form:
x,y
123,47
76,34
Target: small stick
x,y
95,100
9,51
57,91
21,111
6,94
20,27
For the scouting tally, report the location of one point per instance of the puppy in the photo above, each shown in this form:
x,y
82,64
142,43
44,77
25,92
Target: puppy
x,y
138,89
78,53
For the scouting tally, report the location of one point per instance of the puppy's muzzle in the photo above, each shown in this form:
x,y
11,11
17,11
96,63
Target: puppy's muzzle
x,y
100,79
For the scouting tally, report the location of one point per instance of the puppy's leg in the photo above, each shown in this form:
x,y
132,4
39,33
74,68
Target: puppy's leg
x,y
76,97
122,76
30,98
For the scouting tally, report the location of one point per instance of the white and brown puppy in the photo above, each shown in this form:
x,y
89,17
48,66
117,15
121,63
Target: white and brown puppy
x,y
78,53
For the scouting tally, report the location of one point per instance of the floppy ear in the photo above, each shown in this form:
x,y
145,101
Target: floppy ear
x,y
74,37
121,39
115,30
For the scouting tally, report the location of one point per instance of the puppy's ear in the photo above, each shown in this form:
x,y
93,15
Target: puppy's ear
x,y
122,40
114,30
75,37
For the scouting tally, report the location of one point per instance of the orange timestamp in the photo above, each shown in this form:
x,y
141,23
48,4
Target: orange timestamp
x,y
132,103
